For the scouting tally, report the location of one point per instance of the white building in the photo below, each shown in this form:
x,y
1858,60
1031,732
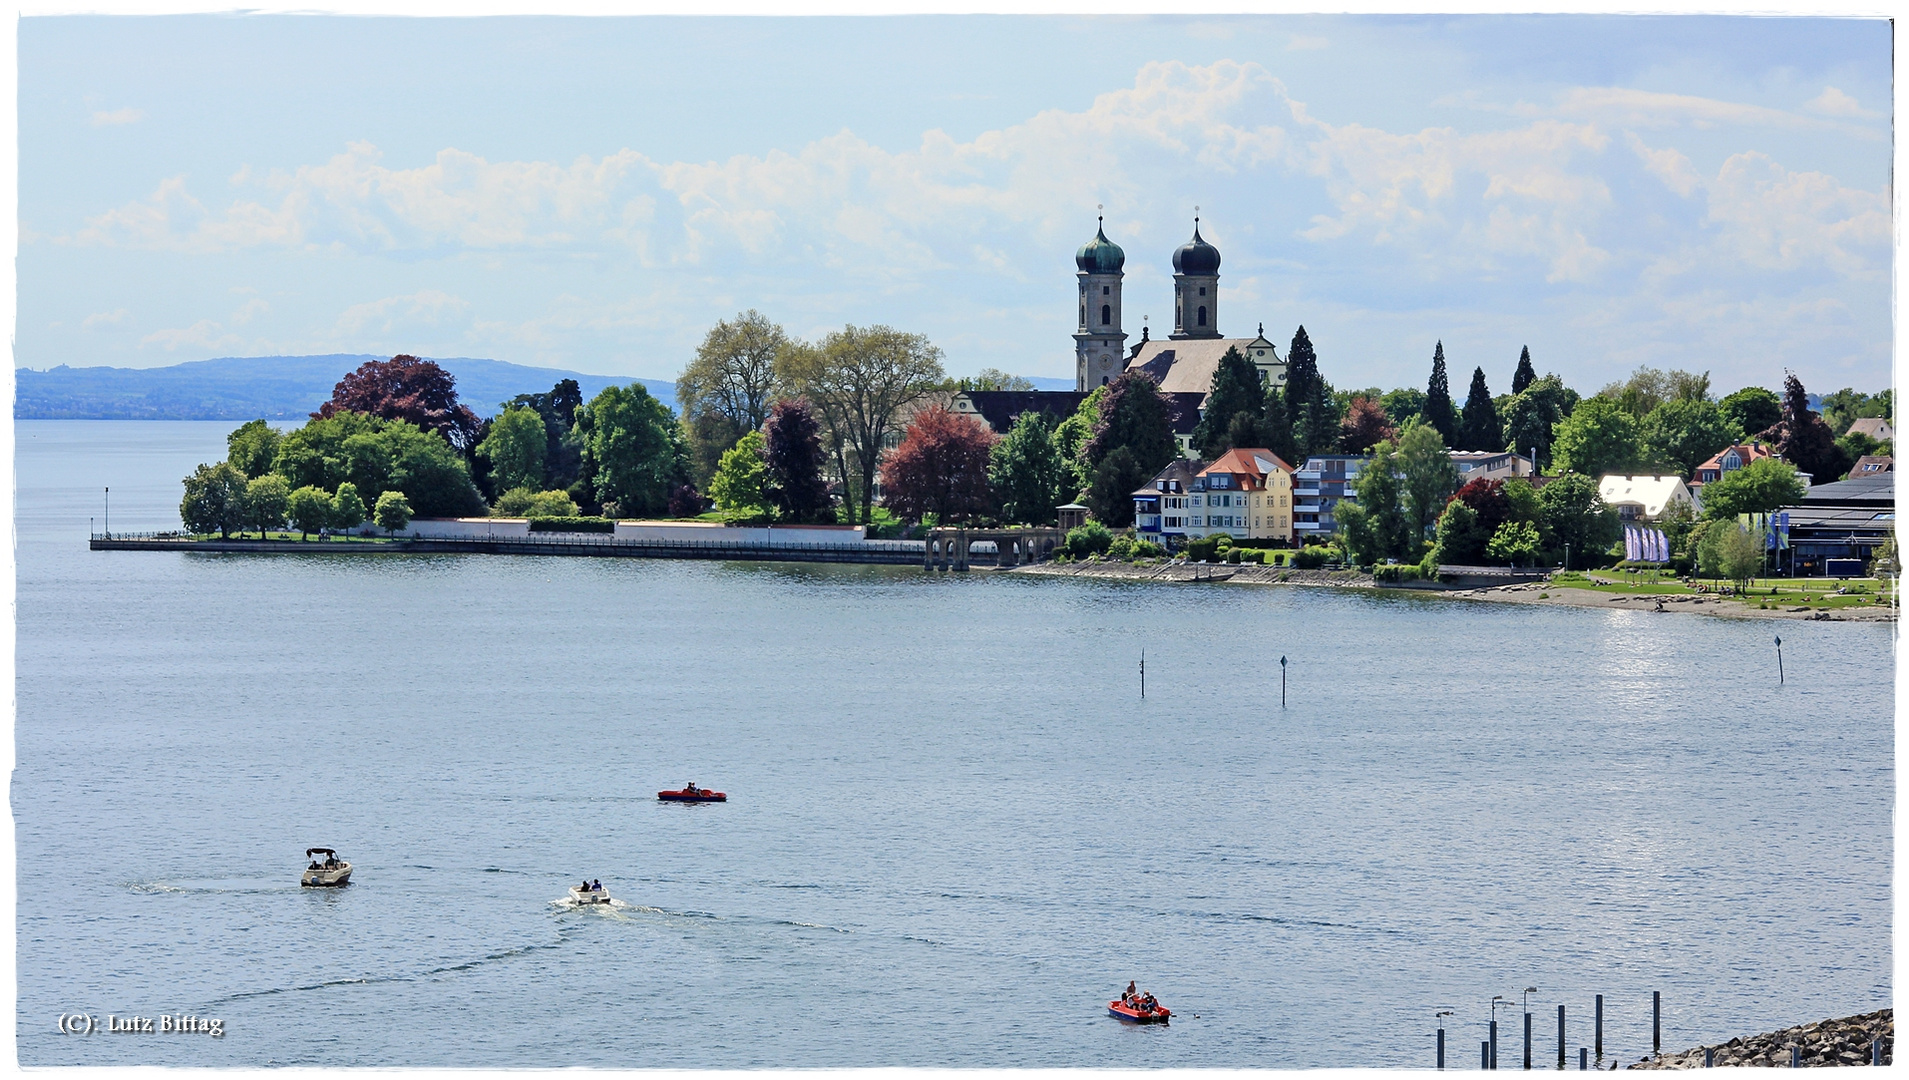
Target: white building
x,y
1642,498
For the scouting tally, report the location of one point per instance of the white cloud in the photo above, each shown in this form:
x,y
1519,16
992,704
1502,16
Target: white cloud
x,y
1668,165
1776,219
118,116
117,319
248,310
1833,102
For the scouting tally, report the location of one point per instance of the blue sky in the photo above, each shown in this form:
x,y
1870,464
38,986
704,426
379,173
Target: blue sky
x,y
1698,192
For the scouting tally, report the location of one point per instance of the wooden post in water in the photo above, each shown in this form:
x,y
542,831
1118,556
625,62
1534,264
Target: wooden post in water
x,y
1282,682
1656,1022
1527,1042
1584,1059
1484,1055
1560,1036
1143,674
1779,661
1494,1043
1441,1049
1599,1042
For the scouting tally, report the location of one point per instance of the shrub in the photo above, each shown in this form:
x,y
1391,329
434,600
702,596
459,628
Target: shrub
x,y
1311,557
1202,549
1252,556
1121,548
1147,549
529,503
572,525
1397,572
1089,539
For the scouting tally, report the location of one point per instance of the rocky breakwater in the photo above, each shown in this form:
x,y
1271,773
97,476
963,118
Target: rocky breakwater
x,y
1826,1042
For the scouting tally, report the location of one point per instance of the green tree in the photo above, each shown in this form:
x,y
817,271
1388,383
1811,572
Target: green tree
x,y
1598,438
516,448
526,502
1024,470
862,380
1437,409
1682,434
377,455
635,450
1730,551
1116,478
1427,478
1276,429
558,410
1380,501
1479,428
740,486
1647,388
1754,409
214,499
251,447
1404,405
1515,542
1760,487
1235,390
266,498
793,453
1525,375
1132,415
393,512
1575,514
1532,417
1353,529
1452,542
310,509
1070,436
995,379
347,509
1308,399
727,389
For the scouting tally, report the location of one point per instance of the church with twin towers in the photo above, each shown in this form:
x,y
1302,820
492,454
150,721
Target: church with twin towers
x,y
1182,362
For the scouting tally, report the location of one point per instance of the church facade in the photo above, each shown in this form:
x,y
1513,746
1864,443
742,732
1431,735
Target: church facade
x,y
1184,361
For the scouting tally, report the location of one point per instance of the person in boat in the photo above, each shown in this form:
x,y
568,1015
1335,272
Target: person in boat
x,y
597,885
586,885
1131,992
314,865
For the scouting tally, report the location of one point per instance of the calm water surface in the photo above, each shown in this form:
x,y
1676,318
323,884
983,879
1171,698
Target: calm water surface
x,y
954,832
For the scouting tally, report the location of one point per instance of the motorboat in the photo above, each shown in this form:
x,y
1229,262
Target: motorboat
x,y
587,893
1138,1014
692,793
329,872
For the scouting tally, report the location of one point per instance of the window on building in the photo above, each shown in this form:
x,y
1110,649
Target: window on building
x,y
1103,380
1202,316
1106,314
1202,290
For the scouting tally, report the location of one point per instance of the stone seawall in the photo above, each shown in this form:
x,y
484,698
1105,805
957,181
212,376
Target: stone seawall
x,y
1826,1042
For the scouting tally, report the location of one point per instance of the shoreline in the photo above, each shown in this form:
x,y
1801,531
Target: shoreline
x,y
1533,593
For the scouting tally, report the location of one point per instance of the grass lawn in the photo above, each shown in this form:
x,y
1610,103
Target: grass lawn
x,y
1815,593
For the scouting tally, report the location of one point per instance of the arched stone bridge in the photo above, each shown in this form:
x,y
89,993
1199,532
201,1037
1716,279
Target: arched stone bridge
x,y
947,549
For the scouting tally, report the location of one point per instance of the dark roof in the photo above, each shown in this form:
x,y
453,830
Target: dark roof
x,y
1871,464
1875,491
1000,407
1196,256
1100,255
1183,411
1182,469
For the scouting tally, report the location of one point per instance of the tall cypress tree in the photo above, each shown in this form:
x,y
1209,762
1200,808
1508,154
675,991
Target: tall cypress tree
x,y
1235,390
1481,429
1308,402
1438,397
1525,375
1276,430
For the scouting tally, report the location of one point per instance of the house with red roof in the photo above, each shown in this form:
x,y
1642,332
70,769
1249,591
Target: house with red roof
x,y
1246,493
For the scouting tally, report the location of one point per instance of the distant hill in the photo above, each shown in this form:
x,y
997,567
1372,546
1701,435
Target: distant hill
x,y
265,387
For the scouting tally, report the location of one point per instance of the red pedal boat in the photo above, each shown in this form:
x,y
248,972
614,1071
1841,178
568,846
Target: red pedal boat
x,y
692,793
1134,1014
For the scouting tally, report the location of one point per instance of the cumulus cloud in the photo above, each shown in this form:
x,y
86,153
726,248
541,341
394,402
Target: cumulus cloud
x,y
118,116
1833,102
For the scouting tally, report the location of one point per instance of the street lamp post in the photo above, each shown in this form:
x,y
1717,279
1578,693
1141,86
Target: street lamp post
x,y
1495,999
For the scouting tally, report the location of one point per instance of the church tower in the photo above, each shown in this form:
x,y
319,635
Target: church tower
x,y
1099,350
1196,288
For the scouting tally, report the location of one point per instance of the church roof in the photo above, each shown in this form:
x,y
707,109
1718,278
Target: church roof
x,y
1187,365
1100,255
1196,256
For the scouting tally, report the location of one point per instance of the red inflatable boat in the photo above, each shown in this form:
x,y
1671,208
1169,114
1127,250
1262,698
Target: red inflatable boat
x,y
1120,1010
692,794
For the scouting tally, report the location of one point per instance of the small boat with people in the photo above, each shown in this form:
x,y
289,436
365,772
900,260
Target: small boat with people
x,y
330,872
590,892
691,793
1138,1007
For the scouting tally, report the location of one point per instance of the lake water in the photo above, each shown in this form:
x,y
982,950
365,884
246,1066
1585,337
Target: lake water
x,y
954,829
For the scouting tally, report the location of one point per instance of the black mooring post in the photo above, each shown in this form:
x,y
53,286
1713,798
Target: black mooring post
x,y
1441,1049
1143,674
1527,1042
1584,1059
1484,1055
1656,1021
1796,1056
1494,1044
1282,682
1599,1039
1710,1057
1560,1036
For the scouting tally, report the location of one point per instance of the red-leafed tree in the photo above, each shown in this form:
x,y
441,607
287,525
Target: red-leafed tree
x,y
1803,439
1487,499
1366,425
940,468
793,453
406,388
